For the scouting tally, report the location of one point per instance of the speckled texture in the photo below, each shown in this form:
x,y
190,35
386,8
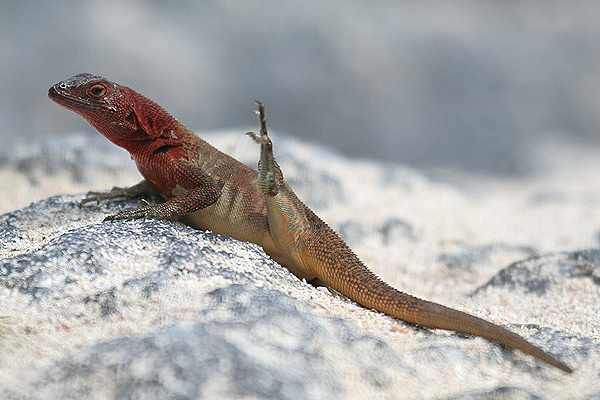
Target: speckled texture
x,y
106,310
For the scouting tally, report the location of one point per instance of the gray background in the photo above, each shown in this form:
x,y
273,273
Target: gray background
x,y
471,85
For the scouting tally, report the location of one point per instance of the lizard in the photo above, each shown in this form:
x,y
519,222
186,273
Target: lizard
x,y
213,191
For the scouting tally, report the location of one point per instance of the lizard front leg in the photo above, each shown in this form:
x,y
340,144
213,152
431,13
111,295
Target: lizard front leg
x,y
204,192
186,203
138,190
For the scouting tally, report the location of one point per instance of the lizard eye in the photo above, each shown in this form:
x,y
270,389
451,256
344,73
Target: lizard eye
x,y
97,90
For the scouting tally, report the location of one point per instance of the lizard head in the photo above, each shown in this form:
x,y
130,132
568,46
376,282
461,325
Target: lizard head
x,y
121,114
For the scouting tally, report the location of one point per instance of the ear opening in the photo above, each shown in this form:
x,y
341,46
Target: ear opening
x,y
142,119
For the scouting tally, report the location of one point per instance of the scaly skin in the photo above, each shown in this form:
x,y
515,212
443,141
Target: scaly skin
x,y
213,191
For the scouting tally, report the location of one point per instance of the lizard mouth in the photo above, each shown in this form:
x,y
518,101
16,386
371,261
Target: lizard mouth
x,y
65,94
59,95
54,94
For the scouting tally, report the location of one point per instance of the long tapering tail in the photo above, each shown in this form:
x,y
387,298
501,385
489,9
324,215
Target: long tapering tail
x,y
343,271
391,301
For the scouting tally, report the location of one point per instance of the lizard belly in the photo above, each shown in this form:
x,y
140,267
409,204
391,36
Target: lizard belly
x,y
284,232
241,216
208,219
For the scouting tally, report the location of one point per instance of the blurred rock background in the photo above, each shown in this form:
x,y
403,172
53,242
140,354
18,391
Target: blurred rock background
x,y
467,85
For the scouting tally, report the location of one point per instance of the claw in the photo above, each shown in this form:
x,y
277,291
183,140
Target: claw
x,y
143,211
263,137
254,136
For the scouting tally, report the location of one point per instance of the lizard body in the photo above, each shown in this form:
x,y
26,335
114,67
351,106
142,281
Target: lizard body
x,y
213,191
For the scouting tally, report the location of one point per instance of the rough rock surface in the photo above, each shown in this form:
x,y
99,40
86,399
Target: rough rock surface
x,y
157,310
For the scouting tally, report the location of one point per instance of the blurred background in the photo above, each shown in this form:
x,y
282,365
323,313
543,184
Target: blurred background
x,y
461,84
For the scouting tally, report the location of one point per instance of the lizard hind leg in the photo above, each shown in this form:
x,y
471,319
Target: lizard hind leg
x,y
270,176
286,214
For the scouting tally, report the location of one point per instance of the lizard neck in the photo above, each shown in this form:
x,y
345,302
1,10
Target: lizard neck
x,y
136,123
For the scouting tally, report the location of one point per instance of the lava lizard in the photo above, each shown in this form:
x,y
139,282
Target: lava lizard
x,y
213,191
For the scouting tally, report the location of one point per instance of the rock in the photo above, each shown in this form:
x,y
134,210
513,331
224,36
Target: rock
x,y
466,257
243,336
537,274
157,310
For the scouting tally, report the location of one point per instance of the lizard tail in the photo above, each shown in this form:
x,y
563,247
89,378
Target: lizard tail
x,y
391,301
343,271
435,315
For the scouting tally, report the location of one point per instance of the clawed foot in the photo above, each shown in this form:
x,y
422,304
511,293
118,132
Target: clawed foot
x,y
115,193
263,138
268,171
145,210
141,189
